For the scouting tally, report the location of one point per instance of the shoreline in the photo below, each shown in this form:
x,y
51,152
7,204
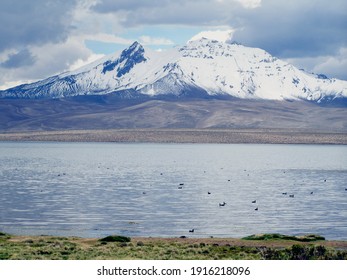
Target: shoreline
x,y
202,136
160,248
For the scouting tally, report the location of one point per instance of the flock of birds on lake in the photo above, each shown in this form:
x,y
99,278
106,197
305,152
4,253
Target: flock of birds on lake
x,y
223,203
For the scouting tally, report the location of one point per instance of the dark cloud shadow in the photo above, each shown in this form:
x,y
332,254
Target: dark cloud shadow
x,y
295,28
19,59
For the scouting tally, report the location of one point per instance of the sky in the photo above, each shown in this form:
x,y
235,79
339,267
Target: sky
x,y
41,38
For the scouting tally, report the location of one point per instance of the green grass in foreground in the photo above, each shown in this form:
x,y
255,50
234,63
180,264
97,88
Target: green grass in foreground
x,y
72,248
277,236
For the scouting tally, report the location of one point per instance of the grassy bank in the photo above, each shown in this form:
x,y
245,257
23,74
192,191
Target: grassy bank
x,y
253,247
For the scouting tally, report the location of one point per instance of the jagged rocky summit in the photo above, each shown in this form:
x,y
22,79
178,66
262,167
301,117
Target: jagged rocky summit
x,y
202,68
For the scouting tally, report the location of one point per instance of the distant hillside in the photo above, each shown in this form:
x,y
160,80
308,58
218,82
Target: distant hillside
x,y
108,112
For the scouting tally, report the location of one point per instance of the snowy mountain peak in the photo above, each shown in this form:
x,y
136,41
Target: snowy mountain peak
x,y
127,60
209,49
202,66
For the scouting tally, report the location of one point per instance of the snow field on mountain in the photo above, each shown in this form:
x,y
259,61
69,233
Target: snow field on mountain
x,y
205,66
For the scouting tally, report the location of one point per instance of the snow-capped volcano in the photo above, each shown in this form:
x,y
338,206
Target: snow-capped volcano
x,y
201,66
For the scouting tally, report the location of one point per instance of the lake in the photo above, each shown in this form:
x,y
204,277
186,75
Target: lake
x,y
165,190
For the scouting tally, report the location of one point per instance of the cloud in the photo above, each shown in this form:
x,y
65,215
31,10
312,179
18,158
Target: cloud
x,y
19,59
179,12
39,38
50,59
107,38
336,66
333,66
284,28
110,6
107,6
219,35
294,28
82,62
34,22
148,40
245,3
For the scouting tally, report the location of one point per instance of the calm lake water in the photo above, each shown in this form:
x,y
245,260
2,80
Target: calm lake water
x,y
98,189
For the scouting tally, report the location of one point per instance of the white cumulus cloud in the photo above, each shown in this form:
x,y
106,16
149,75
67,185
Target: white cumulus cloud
x,y
250,4
148,40
219,35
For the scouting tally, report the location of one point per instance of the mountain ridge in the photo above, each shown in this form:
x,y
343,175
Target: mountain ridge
x,y
206,68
